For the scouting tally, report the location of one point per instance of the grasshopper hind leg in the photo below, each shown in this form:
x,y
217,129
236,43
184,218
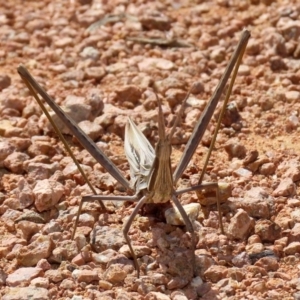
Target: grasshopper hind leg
x,y
126,229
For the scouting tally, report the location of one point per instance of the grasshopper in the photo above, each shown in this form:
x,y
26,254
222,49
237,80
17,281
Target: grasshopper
x,y
150,169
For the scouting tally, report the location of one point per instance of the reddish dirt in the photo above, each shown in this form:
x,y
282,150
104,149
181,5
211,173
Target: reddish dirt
x,y
115,78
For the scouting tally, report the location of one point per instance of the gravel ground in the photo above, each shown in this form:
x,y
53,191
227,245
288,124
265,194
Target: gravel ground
x,y
100,60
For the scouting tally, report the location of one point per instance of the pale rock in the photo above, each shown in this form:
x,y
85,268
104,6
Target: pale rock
x,y
237,274
71,169
74,108
244,70
36,24
25,194
159,279
47,194
23,276
218,54
242,172
292,248
8,242
43,264
196,103
235,149
215,273
52,226
15,162
240,225
275,283
40,282
59,254
65,251
64,42
139,251
192,117
3,277
116,68
285,188
144,286
241,260
270,264
281,242
292,96
10,255
41,248
106,182
40,171
107,238
28,229
177,295
96,73
10,215
90,53
253,47
67,284
267,169
41,147
206,41
91,129
54,275
72,78
6,149
257,203
150,63
169,83
85,275
284,218
127,93
174,217
105,120
255,165
118,127
155,20
294,235
58,69
254,239
258,286
104,257
81,240
86,220
25,293
79,260
203,263
267,230
255,248
103,284
115,274
12,203
175,97
6,129
292,123
196,282
293,172
156,296
295,214
177,283
94,98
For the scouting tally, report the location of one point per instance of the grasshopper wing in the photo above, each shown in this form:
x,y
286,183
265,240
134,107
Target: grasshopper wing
x,y
140,155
